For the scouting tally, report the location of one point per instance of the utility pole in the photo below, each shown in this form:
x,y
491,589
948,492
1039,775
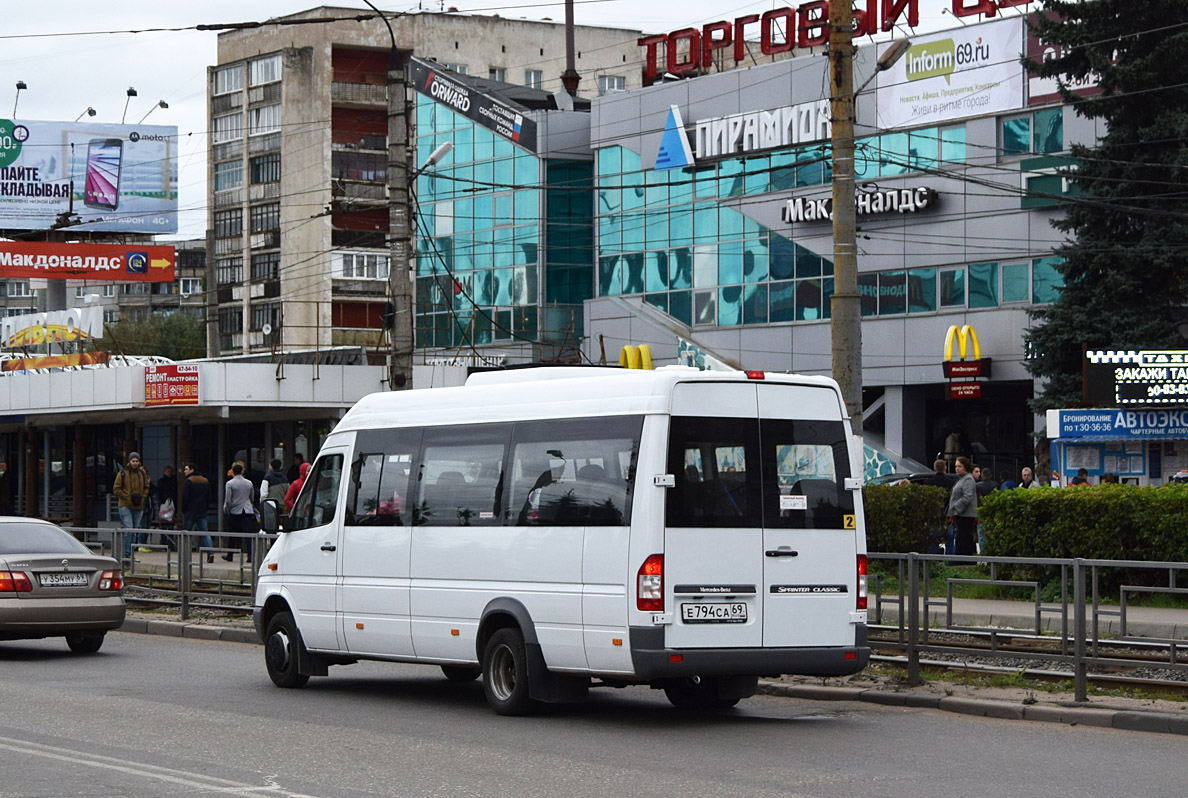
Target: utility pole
x,y
846,307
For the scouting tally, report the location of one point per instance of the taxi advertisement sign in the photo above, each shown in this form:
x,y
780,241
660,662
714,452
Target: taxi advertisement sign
x,y
166,386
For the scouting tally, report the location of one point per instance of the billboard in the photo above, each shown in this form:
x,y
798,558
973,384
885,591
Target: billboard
x,y
122,263
109,178
52,327
955,74
498,117
166,386
1136,377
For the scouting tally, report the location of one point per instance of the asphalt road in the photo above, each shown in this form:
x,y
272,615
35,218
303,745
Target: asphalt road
x,y
151,716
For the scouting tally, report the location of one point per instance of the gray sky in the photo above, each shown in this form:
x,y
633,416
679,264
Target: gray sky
x,y
66,74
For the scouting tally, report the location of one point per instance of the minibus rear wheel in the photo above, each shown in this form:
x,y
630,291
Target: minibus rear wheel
x,y
505,673
461,673
696,695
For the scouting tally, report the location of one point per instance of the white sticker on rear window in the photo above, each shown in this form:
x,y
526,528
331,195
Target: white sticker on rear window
x,y
793,502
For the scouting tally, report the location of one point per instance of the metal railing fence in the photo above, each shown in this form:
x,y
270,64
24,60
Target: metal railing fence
x,y
1079,640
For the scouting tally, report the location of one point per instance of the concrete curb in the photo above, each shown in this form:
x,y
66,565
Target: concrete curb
x,y
196,631
1159,722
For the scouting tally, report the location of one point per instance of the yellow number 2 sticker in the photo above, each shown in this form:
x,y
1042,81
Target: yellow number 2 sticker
x,y
850,521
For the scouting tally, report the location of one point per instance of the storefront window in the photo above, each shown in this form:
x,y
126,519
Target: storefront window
x,y
921,290
1016,282
983,285
892,293
1046,280
1016,135
952,288
1049,131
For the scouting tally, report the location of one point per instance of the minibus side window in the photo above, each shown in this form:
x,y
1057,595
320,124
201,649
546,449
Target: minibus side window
x,y
573,472
378,493
460,480
715,462
319,497
805,465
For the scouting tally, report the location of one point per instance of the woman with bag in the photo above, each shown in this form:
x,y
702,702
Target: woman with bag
x,y
167,505
963,508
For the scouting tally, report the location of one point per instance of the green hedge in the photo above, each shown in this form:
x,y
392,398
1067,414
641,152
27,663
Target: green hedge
x,y
903,518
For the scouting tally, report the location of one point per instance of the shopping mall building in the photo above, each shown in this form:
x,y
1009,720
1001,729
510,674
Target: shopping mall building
x,y
710,225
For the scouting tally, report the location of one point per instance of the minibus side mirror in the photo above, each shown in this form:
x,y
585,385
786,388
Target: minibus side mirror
x,y
270,516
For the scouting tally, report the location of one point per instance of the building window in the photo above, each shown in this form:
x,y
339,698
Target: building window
x,y
264,119
228,224
109,290
265,70
80,291
136,289
191,286
364,267
262,314
19,288
459,68
265,217
609,83
498,73
228,127
228,175
359,166
533,78
265,266
1041,133
265,168
229,80
111,316
229,271
230,321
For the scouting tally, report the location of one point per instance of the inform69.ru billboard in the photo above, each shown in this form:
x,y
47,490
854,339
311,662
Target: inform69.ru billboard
x,y
113,178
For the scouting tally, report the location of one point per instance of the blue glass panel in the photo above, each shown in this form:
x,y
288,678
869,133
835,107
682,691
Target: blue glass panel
x,y
633,273
504,148
751,228
504,174
983,285
483,250
504,254
730,305
952,288
503,324
921,288
527,205
463,215
483,206
1046,280
633,231
658,300
952,146
631,161
705,265
706,182
868,291
808,263
610,235
656,189
525,290
892,293
1049,130
705,222
501,286
1016,135
810,170
923,148
680,306
866,158
758,175
527,170
503,208
755,260
609,276
783,171
680,268
755,304
463,254
808,300
463,145
484,175
610,200
893,154
730,266
730,178
783,258
705,307
680,188
527,239
463,181
1016,282
425,119
610,165
484,144
680,226
782,301
656,228
656,271
729,223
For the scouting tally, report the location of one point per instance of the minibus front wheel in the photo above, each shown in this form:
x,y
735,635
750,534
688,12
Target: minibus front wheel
x,y
282,643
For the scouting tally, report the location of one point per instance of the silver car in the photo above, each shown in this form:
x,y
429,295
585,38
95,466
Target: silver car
x,y
52,585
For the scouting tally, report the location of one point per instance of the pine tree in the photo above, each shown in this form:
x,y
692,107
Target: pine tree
x,y
1125,263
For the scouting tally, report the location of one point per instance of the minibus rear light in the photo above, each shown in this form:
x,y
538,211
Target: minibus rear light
x,y
649,595
861,604
755,375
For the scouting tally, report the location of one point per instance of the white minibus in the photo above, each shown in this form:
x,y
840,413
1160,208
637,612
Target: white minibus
x,y
553,529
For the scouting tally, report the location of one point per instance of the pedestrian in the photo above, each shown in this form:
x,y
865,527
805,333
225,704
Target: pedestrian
x,y
294,472
984,481
954,445
1028,480
1109,479
1005,482
1082,477
940,478
132,487
275,484
239,511
195,496
295,487
963,508
167,505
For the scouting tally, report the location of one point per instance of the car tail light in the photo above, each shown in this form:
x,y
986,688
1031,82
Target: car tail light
x,y
111,580
15,582
649,596
861,582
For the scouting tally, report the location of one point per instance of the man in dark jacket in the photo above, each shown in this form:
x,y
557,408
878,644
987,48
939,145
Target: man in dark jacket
x,y
195,497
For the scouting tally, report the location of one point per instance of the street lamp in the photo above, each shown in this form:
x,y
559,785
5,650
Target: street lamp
x,y
160,104
20,84
846,307
89,112
131,93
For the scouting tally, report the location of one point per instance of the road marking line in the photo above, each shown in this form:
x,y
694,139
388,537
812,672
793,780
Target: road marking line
x,y
179,777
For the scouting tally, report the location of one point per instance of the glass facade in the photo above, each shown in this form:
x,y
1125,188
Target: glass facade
x,y
483,243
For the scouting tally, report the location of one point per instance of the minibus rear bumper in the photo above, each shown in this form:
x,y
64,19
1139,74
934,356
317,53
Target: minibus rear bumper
x,y
652,660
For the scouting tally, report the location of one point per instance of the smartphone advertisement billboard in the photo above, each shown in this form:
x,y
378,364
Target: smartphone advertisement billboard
x,y
109,178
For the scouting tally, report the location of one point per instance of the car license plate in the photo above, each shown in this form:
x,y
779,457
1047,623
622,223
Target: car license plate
x,y
714,612
63,580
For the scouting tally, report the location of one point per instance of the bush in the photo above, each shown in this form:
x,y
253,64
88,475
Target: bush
x,y
904,518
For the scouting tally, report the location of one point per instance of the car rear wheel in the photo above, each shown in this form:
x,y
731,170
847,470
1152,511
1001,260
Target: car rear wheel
x,y
461,673
697,696
505,673
85,644
282,642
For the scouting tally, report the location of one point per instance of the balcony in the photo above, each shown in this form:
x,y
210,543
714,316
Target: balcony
x,y
348,239
358,94
264,191
348,191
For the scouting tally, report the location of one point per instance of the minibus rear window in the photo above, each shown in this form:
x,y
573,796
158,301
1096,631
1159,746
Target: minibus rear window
x,y
715,462
805,464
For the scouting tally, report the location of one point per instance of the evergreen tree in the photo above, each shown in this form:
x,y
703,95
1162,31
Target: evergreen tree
x,y
1125,263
